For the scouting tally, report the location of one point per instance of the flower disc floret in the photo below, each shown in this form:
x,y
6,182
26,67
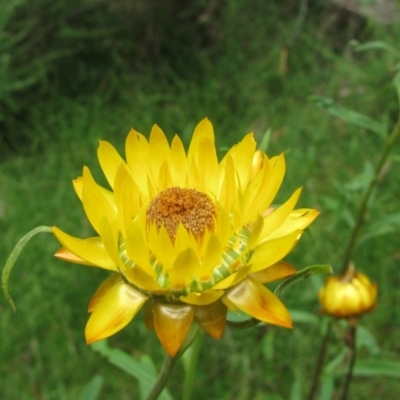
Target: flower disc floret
x,y
185,235
189,207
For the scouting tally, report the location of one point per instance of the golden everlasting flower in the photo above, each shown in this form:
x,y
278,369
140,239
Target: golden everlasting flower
x,y
348,296
185,234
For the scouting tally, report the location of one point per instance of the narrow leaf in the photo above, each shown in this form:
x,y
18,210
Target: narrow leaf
x,y
263,146
301,275
143,370
375,45
351,116
92,389
13,258
376,367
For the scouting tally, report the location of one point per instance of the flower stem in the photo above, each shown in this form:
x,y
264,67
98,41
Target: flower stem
x,y
360,220
353,348
163,376
190,367
169,364
320,362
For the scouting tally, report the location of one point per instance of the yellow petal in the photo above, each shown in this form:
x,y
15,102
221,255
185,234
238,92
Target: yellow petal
x,y
64,254
233,279
272,251
276,218
160,245
212,257
127,197
110,241
115,310
89,250
298,219
78,186
254,195
158,150
172,323
280,270
164,177
242,155
212,318
95,203
103,290
204,155
109,160
256,300
255,233
136,145
186,266
136,247
177,162
142,280
203,129
227,197
203,298
137,153
275,178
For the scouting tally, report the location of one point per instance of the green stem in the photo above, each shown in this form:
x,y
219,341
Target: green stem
x,y
169,364
248,323
190,367
13,258
349,376
163,376
320,362
360,220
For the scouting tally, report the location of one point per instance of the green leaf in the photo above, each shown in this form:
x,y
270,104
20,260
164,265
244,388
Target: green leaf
x,y
327,387
301,275
387,224
396,83
14,257
92,389
361,180
366,339
304,317
265,141
296,391
377,367
336,362
143,370
351,116
374,45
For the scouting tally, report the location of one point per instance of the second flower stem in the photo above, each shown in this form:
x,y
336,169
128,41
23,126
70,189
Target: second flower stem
x,y
353,349
364,204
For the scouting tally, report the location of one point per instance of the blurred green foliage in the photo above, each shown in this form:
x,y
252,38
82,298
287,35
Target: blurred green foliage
x,y
73,72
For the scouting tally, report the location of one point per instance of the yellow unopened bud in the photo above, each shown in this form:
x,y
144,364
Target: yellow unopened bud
x,y
350,295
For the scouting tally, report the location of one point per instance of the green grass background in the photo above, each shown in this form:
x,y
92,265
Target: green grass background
x,y
72,73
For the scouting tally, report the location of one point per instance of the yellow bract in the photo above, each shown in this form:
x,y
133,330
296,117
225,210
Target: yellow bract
x,y
347,296
185,234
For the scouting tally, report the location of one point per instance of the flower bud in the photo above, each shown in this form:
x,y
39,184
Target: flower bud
x,y
349,295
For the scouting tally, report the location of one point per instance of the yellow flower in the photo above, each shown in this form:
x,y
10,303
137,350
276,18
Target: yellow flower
x,y
185,234
349,295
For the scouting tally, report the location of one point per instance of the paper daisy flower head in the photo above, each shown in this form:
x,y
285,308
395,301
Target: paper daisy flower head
x,y
348,296
185,235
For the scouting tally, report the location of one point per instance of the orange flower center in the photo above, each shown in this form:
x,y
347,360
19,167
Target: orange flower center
x,y
175,205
